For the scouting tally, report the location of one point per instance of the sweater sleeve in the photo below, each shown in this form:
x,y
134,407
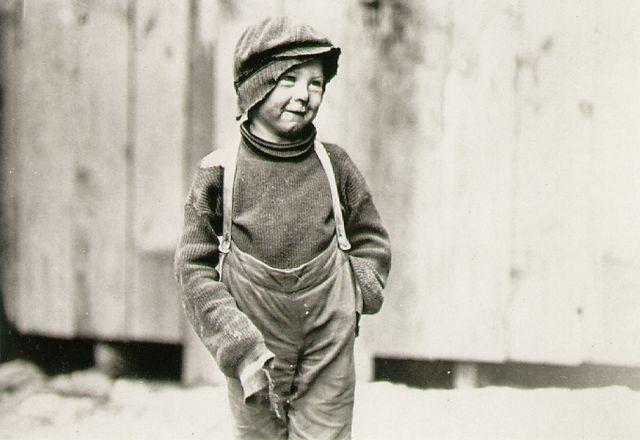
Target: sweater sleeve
x,y
370,253
227,332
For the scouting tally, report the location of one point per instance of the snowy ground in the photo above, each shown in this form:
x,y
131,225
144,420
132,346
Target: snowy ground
x,y
88,405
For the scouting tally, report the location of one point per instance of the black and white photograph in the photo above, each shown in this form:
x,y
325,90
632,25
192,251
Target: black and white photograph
x,y
319,219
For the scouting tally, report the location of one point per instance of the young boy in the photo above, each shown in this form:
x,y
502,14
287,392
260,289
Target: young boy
x,y
282,247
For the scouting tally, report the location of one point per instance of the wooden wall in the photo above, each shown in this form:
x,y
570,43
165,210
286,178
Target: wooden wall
x,y
97,142
498,138
504,169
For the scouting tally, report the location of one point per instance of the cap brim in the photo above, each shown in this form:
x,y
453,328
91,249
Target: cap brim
x,y
302,51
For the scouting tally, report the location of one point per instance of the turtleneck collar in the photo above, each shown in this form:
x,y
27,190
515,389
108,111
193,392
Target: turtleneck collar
x,y
285,150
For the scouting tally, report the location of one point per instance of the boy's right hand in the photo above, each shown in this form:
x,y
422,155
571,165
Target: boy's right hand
x,y
267,395
276,402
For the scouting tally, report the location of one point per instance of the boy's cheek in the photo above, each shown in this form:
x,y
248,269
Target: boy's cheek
x,y
286,116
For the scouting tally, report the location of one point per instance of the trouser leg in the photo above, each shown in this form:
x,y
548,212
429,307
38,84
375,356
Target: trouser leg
x,y
322,407
325,409
255,421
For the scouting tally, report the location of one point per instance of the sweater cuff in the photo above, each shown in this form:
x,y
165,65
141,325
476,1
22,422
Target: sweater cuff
x,y
250,373
369,282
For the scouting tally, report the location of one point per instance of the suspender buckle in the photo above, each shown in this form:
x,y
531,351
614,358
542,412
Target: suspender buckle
x,y
343,242
225,244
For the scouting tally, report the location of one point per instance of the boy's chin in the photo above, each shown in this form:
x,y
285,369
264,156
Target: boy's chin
x,y
295,131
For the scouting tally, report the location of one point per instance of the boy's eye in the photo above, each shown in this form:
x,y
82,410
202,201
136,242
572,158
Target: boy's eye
x,y
288,79
316,83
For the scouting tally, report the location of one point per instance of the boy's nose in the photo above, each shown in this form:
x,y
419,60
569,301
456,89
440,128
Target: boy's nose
x,y
300,92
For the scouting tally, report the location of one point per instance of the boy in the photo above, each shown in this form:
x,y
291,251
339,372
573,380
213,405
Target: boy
x,y
302,251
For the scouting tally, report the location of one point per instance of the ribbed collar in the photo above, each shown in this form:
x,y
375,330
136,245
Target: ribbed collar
x,y
285,150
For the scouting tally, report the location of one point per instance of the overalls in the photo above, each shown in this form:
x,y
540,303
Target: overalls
x,y
307,316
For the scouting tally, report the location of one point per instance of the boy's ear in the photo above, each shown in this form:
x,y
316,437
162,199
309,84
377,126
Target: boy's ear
x,y
252,111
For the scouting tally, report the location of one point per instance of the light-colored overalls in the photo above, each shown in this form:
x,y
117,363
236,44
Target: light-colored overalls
x,y
307,316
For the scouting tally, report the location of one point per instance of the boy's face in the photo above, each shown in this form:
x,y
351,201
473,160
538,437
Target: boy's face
x,y
292,105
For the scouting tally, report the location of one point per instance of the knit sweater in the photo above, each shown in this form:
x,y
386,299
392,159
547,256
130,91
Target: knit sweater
x,y
281,215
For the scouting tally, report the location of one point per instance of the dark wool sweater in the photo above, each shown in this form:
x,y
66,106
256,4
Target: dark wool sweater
x,y
281,215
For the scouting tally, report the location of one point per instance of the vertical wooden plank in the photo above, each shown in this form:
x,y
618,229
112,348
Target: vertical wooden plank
x,y
615,183
100,125
554,256
469,183
8,190
160,66
46,173
200,87
8,158
8,8
386,70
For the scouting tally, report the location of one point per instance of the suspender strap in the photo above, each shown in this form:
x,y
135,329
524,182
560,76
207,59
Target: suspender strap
x,y
341,233
230,160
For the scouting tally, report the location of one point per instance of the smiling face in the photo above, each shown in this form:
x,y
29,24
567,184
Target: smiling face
x,y
292,104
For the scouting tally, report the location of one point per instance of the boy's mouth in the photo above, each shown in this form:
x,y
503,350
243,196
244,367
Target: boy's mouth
x,y
299,112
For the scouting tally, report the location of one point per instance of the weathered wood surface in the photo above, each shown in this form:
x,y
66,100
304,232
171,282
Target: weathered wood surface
x,y
576,275
493,191
157,195
498,139
78,172
553,222
8,169
99,124
615,161
44,267
71,133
